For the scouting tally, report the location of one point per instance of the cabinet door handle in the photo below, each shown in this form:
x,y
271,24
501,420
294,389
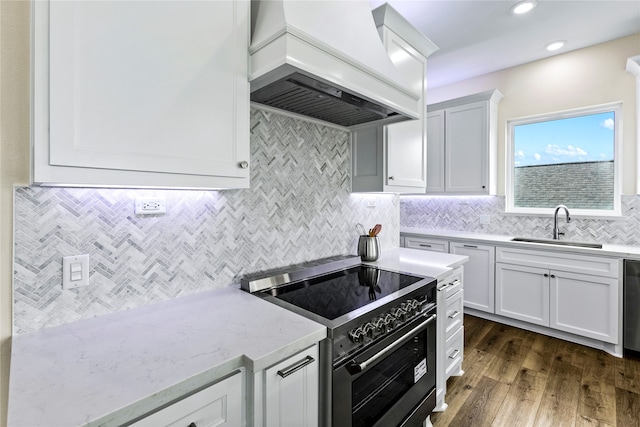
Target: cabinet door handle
x,y
454,315
553,276
192,425
391,178
243,165
546,275
424,245
296,366
470,246
454,354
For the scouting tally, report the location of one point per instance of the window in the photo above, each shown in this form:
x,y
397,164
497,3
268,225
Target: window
x,y
570,158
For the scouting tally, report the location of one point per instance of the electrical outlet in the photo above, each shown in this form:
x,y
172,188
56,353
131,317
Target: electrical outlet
x,y
150,206
371,204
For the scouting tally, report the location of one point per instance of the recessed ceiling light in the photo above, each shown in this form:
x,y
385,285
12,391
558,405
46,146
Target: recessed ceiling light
x,y
523,6
555,45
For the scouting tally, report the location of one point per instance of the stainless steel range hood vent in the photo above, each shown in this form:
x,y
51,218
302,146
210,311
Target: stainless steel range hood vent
x,y
303,95
325,60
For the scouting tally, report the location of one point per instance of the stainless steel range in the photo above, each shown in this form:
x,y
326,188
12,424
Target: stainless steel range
x,y
378,363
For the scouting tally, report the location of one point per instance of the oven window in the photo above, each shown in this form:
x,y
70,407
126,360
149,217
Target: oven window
x,y
379,388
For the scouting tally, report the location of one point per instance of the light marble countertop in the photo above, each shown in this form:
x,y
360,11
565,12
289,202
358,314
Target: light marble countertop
x,y
433,264
609,250
110,369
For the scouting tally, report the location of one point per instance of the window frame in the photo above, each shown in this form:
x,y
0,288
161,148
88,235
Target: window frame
x,y
616,108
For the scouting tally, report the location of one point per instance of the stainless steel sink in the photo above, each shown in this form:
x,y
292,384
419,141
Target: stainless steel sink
x,y
558,242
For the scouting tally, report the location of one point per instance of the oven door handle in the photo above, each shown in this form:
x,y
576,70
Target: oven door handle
x,y
355,368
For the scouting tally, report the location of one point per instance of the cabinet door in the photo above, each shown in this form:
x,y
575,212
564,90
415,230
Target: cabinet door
x,y
367,156
134,87
467,150
585,305
478,275
435,152
218,405
406,142
291,391
522,293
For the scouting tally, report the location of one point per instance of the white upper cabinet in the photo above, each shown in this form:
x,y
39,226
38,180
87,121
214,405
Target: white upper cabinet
x,y
462,145
393,158
141,93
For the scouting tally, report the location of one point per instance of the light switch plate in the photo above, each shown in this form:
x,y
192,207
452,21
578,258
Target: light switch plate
x,y
75,271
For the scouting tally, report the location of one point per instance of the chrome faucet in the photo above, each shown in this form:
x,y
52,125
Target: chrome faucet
x,y
556,231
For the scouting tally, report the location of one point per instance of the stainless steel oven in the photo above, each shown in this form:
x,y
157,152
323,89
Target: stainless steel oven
x,y
390,383
377,366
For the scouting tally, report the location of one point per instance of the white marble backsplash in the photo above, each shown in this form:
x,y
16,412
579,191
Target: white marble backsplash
x,y
463,214
298,208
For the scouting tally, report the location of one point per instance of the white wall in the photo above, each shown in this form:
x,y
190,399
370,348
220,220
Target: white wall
x,y
14,157
585,77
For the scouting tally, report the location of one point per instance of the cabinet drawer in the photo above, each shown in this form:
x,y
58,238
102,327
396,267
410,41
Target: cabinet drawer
x,y
454,351
584,264
217,405
454,314
425,244
452,284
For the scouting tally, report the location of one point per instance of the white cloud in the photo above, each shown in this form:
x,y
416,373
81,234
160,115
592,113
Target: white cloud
x,y
570,151
608,124
520,154
537,156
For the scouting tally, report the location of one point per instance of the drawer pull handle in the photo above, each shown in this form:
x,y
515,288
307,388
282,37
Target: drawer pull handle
x,y
470,246
454,315
296,366
454,354
443,287
424,245
192,425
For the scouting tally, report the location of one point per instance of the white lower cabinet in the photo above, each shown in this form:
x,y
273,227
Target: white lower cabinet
x,y
584,305
218,405
522,293
479,272
562,297
286,394
450,341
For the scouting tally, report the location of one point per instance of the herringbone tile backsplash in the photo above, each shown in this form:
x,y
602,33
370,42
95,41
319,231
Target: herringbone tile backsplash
x,y
299,208
463,214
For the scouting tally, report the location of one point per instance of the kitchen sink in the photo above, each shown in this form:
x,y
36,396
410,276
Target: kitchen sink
x,y
558,242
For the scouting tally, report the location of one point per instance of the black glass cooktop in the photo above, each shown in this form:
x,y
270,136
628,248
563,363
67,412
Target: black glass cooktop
x,y
336,294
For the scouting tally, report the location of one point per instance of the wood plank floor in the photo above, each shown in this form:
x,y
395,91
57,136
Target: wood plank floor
x,y
517,378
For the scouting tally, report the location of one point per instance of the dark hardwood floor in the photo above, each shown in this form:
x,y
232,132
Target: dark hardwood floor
x,y
518,378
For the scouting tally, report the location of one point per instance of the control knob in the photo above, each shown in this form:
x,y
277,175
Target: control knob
x,y
356,335
399,313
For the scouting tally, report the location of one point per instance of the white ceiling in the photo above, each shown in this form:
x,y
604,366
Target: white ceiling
x,y
476,37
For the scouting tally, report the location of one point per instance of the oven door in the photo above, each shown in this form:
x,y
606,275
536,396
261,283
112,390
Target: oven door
x,y
391,383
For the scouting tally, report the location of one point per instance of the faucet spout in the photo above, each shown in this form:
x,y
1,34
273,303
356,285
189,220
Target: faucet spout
x,y
556,230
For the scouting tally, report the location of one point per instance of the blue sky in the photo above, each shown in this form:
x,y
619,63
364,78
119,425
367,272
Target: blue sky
x,y
576,139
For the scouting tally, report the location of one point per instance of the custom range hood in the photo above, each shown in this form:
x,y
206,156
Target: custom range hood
x,y
324,59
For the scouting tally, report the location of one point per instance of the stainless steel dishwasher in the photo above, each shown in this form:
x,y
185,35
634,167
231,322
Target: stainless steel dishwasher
x,y
632,305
